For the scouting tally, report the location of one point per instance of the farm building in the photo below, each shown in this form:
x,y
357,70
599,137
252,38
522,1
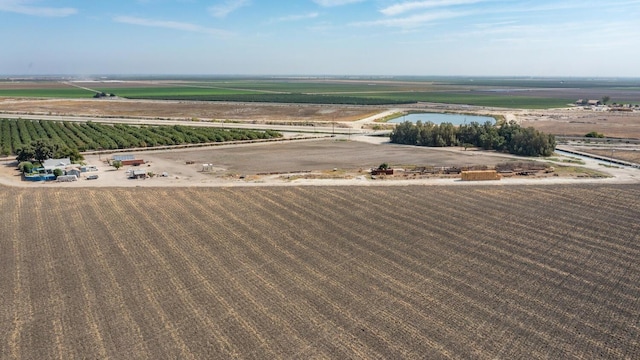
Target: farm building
x,y
67,178
51,164
128,160
582,102
133,162
73,171
138,174
87,168
123,157
478,175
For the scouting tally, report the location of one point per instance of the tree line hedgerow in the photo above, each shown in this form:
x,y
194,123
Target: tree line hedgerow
x,y
19,134
506,136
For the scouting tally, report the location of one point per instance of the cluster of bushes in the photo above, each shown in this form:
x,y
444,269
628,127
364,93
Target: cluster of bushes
x,y
16,135
594,134
509,137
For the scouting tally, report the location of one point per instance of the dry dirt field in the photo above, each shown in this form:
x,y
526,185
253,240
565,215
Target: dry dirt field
x,y
190,109
631,155
578,122
479,272
325,155
570,122
351,158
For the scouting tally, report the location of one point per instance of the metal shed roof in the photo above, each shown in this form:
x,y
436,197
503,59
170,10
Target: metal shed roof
x,y
123,157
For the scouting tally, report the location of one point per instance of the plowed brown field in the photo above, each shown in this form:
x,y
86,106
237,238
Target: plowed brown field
x,y
405,272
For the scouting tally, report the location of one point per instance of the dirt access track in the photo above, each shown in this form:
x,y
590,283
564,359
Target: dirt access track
x,y
320,162
571,121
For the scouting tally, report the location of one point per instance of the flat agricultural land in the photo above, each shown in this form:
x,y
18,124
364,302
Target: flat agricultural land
x,y
190,110
479,272
491,92
324,155
579,122
630,155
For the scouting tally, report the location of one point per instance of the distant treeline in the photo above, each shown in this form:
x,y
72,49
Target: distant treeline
x,y
281,98
16,135
509,137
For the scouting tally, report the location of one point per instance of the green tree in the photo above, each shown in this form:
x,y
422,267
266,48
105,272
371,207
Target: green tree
x,y
605,99
57,172
25,167
43,150
116,164
25,154
405,133
72,153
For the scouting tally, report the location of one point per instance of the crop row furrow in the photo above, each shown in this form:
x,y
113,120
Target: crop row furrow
x,y
373,268
377,197
447,272
186,278
337,290
202,268
21,305
300,279
107,284
141,276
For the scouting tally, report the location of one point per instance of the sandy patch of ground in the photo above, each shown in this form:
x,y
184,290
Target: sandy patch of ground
x,y
201,110
317,162
578,122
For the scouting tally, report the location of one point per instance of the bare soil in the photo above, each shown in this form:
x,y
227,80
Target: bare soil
x,y
631,155
190,109
579,122
480,272
253,161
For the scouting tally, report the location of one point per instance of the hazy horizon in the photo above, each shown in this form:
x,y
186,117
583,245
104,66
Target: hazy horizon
x,y
367,38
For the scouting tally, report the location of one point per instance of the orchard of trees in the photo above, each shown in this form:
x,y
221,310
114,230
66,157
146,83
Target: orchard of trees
x,y
24,138
509,137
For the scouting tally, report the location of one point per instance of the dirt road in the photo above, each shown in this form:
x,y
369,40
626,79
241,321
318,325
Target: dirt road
x,y
330,161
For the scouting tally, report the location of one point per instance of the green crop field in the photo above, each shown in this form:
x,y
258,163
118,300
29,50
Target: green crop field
x,y
528,93
170,91
504,101
67,93
314,87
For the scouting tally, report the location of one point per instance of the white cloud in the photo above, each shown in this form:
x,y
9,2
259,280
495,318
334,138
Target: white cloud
x,y
167,24
331,3
296,17
23,7
413,21
228,6
401,8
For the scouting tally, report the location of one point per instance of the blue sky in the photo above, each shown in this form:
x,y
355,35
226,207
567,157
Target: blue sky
x,y
321,37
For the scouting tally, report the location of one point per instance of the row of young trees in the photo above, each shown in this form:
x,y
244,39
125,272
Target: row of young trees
x,y
507,136
16,135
